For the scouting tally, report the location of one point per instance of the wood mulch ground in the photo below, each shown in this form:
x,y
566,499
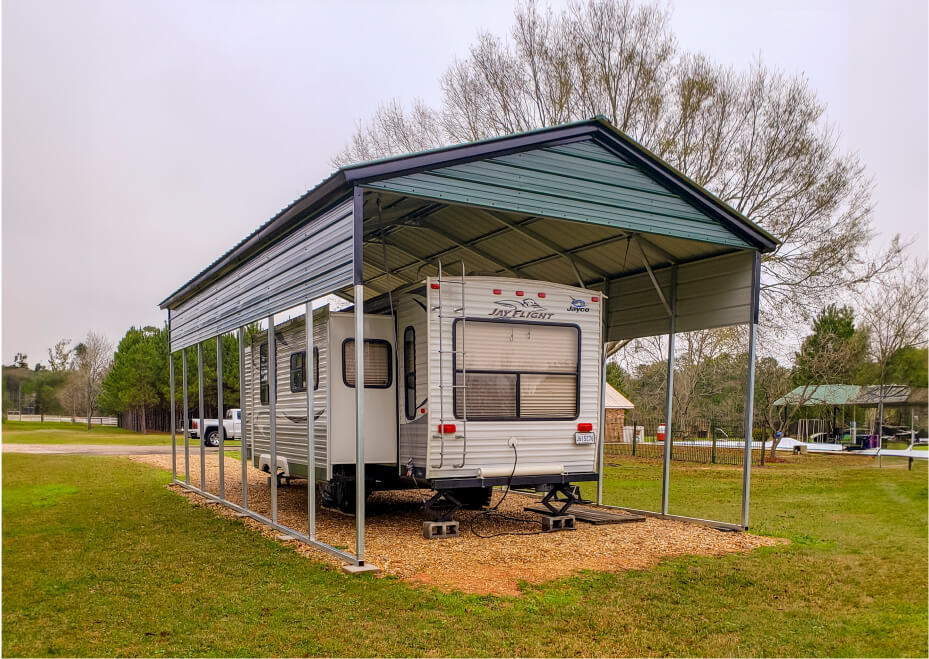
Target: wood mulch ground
x,y
394,542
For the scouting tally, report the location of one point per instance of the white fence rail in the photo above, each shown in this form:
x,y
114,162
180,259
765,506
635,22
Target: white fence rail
x,y
52,418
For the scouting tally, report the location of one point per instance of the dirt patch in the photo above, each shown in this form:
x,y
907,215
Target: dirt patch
x,y
394,542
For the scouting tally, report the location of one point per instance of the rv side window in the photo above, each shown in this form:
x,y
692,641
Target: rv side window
x,y
378,373
263,373
298,370
409,371
517,371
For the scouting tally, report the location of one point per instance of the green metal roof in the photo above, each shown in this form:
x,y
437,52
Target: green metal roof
x,y
581,181
820,394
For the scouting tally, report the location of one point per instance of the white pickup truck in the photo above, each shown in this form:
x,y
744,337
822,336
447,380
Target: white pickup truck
x,y
232,427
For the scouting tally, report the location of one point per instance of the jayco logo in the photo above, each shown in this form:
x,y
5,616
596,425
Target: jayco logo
x,y
578,306
527,308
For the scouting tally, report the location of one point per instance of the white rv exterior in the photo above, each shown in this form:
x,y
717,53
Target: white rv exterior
x,y
333,399
472,368
529,355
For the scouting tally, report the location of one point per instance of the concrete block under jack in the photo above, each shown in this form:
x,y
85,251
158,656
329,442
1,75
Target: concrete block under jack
x,y
241,515
436,530
552,523
360,569
286,538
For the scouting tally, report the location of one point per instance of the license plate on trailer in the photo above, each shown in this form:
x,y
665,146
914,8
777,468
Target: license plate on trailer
x,y
584,438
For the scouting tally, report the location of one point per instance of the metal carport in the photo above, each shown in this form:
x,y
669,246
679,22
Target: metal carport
x,y
578,204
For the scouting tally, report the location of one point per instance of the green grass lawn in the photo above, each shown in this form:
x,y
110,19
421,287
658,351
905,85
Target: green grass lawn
x,y
35,432
99,558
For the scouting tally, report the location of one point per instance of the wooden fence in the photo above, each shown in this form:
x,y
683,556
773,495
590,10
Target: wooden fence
x,y
13,415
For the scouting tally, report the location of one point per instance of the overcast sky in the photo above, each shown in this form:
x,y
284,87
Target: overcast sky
x,y
143,139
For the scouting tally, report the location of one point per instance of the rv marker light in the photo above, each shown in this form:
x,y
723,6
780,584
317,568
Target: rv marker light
x,y
446,428
585,427
595,299
434,287
497,291
541,294
519,293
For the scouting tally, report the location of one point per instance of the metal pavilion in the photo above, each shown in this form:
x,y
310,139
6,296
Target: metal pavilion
x,y
580,203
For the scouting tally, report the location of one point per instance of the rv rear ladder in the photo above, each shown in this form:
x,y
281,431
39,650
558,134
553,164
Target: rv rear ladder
x,y
458,314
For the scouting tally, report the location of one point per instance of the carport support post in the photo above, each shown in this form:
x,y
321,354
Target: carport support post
x,y
749,421
669,398
602,426
309,365
173,418
272,404
359,425
186,417
219,416
359,293
242,424
201,433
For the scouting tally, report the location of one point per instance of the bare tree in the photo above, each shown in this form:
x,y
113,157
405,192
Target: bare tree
x,y
92,360
895,312
59,356
758,139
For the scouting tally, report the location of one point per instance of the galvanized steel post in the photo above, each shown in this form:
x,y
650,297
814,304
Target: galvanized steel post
x,y
221,429
600,466
272,403
201,433
309,368
749,414
173,418
186,418
359,425
669,399
242,417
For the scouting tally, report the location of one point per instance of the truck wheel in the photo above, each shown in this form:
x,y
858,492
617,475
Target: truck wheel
x,y
212,438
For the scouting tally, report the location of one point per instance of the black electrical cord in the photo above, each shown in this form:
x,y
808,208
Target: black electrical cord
x,y
492,511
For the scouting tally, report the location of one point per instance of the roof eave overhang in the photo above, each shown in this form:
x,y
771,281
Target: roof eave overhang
x,y
330,191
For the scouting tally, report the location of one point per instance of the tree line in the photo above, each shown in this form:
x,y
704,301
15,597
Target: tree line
x,y
132,383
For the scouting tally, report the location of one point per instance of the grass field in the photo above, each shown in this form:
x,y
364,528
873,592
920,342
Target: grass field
x,y
100,558
35,432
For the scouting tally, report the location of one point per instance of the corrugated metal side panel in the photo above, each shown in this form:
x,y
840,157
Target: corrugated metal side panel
x,y
312,261
291,406
581,181
413,433
714,292
539,442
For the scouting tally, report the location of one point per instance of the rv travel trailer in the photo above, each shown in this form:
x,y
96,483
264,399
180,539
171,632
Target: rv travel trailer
x,y
470,383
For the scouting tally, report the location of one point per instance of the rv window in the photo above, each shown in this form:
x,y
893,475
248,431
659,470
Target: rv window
x,y
409,371
516,371
378,372
298,370
263,373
